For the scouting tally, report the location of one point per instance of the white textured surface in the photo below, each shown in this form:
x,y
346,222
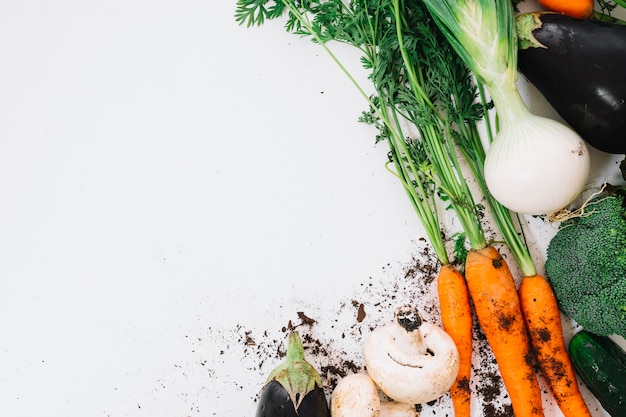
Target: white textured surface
x,y
171,184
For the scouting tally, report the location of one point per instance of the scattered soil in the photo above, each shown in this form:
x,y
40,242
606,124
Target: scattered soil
x,y
371,305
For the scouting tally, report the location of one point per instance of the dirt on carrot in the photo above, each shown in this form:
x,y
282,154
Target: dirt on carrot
x,y
543,321
496,305
457,320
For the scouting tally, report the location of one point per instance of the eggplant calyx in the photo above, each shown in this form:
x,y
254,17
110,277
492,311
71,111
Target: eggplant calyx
x,y
295,374
527,23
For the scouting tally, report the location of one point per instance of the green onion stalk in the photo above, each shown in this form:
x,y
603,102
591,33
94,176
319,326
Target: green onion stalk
x,y
535,165
462,110
484,35
457,92
426,165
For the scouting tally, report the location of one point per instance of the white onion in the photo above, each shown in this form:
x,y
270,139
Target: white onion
x,y
536,165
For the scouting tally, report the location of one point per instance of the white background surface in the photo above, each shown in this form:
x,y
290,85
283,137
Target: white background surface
x,y
170,181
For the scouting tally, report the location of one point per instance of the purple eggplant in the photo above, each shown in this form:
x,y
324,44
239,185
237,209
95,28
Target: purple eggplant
x,y
579,67
294,388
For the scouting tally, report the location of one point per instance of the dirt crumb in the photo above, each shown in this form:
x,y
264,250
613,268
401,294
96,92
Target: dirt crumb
x,y
335,349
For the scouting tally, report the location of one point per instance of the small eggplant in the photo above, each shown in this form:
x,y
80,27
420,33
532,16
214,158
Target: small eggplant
x,y
294,388
578,65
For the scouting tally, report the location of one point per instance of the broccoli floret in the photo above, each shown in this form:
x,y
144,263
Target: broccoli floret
x,y
586,266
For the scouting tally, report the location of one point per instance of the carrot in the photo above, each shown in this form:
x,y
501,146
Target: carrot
x,y
543,322
497,307
456,316
579,9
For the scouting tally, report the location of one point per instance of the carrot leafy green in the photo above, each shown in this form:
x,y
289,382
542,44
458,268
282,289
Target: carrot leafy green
x,y
427,105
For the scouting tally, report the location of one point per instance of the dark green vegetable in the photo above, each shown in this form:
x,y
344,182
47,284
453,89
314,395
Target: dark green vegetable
x,y
578,65
294,388
601,364
586,265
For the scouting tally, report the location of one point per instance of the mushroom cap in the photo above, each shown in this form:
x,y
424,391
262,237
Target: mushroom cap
x,y
356,395
396,409
422,369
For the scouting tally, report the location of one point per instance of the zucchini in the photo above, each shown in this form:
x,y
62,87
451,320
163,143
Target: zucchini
x,y
578,65
601,364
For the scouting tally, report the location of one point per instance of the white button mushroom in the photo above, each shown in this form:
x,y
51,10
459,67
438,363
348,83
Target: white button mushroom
x,y
356,395
411,361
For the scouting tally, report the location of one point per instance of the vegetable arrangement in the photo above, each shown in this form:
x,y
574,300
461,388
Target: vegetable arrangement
x,y
429,64
488,277
541,320
419,165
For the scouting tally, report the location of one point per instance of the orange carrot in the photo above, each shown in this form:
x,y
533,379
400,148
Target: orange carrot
x,y
579,9
456,316
543,321
497,307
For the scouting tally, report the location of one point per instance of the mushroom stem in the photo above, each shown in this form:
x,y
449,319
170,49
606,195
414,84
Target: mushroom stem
x,y
407,345
408,318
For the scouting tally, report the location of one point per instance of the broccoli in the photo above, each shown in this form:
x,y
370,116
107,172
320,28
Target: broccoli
x,y
586,266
